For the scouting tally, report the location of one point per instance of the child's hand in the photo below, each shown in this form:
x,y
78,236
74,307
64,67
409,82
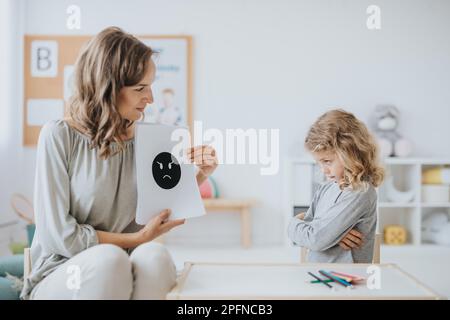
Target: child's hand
x,y
352,240
300,216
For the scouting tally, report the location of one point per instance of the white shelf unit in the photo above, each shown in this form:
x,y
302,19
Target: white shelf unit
x,y
302,175
301,178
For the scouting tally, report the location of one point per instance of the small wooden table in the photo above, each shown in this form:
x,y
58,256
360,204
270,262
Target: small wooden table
x,y
240,205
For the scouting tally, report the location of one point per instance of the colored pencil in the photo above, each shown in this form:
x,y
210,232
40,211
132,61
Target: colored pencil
x,y
320,280
341,281
317,281
348,279
355,278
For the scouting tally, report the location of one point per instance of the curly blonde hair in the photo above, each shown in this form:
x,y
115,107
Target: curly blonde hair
x,y
340,132
110,61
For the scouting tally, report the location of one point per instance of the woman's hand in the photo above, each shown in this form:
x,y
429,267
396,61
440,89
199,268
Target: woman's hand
x,y
157,226
352,240
205,159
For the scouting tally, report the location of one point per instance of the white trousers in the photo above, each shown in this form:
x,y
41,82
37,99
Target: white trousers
x,y
107,272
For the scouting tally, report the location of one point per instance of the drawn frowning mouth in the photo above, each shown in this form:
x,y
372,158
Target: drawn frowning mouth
x,y
166,175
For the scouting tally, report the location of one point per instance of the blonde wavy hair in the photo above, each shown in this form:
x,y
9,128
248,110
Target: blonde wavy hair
x,y
342,133
113,59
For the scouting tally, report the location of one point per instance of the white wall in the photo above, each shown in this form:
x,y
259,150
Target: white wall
x,y
12,157
11,154
278,64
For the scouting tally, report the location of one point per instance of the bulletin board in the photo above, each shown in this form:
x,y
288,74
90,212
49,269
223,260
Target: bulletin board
x,y
48,68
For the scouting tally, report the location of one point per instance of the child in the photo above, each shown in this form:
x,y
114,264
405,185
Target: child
x,y
343,210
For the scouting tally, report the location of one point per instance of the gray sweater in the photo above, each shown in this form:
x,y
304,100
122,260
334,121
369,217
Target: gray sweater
x,y
332,214
75,194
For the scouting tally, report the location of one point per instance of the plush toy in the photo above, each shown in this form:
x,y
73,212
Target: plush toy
x,y
436,228
395,235
437,175
384,122
208,189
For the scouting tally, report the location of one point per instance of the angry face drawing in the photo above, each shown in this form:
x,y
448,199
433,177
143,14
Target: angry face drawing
x,y
166,170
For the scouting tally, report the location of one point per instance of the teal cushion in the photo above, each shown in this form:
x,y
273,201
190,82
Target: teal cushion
x,y
6,290
12,265
31,228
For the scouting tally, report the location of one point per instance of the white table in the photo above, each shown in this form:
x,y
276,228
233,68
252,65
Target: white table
x,y
290,281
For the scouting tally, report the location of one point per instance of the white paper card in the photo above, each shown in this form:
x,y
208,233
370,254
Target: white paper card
x,y
164,180
44,59
40,111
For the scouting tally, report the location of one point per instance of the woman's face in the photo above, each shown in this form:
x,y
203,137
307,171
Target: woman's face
x,y
330,164
133,100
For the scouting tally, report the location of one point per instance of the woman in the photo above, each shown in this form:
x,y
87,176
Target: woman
x,y
85,185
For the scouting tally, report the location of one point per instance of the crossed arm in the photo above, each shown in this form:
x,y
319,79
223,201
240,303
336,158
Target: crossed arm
x,y
352,239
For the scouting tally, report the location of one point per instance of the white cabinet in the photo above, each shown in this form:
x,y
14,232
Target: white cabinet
x,y
301,180
405,174
399,197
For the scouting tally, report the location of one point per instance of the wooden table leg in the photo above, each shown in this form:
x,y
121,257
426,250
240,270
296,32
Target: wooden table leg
x,y
245,228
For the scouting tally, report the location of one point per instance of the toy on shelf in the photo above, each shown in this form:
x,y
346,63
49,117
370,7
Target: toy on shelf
x,y
395,235
394,195
208,189
437,175
436,228
436,185
384,122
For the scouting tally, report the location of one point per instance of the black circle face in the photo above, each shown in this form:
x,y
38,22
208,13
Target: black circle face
x,y
166,170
